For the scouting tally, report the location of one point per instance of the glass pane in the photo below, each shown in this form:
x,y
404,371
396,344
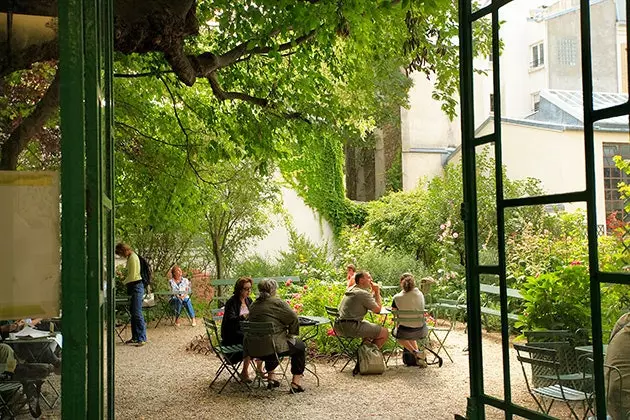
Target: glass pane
x,y
491,338
483,90
611,138
486,206
547,262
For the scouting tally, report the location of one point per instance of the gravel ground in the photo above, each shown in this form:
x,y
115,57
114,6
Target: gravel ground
x,y
162,380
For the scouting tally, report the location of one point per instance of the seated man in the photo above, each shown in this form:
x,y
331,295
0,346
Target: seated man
x,y
358,299
618,355
31,375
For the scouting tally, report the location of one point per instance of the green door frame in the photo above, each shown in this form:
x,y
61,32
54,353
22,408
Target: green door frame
x,y
86,114
478,399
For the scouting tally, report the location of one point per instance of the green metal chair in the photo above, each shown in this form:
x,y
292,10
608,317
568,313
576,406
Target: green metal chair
x,y
349,345
614,387
412,316
224,354
444,311
266,331
546,359
10,392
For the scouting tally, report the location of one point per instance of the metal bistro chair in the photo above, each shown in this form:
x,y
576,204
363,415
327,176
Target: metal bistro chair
x,y
265,331
349,345
224,354
614,388
412,316
445,313
547,360
9,398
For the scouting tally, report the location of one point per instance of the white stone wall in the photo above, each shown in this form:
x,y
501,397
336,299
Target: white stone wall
x,y
305,220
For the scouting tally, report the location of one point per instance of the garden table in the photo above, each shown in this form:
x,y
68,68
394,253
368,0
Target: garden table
x,y
589,349
312,323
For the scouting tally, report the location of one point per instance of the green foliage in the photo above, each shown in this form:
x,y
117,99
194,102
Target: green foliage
x,y
410,221
561,300
366,252
393,176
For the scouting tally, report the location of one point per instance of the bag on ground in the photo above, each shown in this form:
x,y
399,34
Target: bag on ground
x,y
408,358
369,360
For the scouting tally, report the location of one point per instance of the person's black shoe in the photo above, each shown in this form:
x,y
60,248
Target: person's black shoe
x,y
33,406
132,341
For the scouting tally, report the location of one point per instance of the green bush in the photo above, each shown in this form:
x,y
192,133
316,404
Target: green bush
x,y
561,300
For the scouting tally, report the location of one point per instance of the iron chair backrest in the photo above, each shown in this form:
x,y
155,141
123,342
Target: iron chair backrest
x,y
211,328
399,315
540,357
565,354
610,373
259,329
332,312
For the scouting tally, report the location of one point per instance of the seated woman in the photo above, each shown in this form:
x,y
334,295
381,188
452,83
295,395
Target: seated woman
x,y
181,284
237,310
407,332
618,355
269,308
350,272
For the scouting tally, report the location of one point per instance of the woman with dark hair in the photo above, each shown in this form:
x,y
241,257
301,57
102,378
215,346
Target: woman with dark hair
x,y
407,332
270,308
237,310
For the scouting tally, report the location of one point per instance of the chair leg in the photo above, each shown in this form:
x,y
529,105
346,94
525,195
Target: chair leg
x,y
441,343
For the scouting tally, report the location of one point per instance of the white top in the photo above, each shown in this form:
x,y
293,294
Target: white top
x,y
410,301
183,286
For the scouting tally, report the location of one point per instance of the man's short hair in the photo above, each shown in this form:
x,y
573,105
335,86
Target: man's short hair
x,y
351,267
358,276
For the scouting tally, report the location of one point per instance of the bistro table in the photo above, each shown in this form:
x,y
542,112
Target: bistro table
x,y
589,349
313,323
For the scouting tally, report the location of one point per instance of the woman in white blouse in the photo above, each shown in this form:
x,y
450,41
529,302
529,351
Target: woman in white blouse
x,y
181,286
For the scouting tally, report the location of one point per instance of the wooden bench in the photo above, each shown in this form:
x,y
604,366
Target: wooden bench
x,y
494,290
224,287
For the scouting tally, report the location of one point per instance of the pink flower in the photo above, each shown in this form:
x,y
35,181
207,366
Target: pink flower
x,y
305,287
455,235
575,262
330,332
296,296
288,283
442,226
219,313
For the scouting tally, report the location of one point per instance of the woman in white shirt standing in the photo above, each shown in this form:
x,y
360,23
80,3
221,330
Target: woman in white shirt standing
x,y
407,332
181,300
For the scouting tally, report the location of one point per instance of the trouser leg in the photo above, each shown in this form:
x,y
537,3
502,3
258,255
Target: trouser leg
x,y
189,307
138,326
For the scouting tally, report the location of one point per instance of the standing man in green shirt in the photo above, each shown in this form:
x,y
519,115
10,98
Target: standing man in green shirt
x,y
135,289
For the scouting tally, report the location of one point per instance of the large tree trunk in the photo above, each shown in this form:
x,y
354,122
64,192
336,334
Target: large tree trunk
x,y
30,126
218,256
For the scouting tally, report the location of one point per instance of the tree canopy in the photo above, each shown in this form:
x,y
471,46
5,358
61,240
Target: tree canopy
x,y
284,82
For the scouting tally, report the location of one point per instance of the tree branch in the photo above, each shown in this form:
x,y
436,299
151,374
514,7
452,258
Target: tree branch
x,y
29,127
136,75
181,126
146,136
223,95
